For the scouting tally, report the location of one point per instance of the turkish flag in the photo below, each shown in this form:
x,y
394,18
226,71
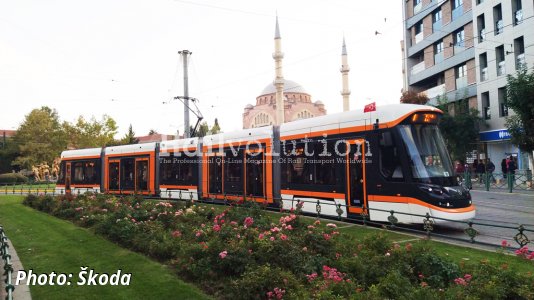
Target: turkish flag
x,y
370,107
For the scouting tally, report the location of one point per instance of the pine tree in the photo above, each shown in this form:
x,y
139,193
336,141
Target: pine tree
x,y
129,138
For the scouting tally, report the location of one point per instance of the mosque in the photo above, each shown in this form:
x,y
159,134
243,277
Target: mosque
x,y
285,100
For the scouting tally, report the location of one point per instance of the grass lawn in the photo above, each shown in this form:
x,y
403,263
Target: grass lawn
x,y
24,187
45,244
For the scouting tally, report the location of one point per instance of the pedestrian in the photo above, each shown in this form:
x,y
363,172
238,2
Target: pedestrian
x,y
481,169
504,169
490,167
511,167
459,169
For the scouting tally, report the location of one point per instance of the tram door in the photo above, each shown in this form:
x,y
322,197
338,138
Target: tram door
x,y
141,175
114,175
67,177
215,172
254,174
356,180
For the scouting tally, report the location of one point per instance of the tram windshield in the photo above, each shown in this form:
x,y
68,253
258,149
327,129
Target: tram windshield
x,y
428,157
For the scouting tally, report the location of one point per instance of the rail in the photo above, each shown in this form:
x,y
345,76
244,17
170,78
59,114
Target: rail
x,y
521,180
471,229
8,266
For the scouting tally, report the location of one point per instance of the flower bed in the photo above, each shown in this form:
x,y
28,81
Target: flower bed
x,y
242,252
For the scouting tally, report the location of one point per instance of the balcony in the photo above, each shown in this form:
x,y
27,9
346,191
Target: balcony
x,y
501,68
499,26
438,57
418,68
482,35
457,12
435,91
520,61
459,47
419,37
417,8
461,82
436,26
518,17
484,74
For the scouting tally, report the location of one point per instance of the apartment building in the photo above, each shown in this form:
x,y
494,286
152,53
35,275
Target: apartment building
x,y
461,52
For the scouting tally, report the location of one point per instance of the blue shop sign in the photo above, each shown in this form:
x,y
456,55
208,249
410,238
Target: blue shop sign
x,y
494,135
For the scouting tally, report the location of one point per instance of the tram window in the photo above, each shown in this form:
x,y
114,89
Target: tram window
x,y
85,172
325,167
185,173
127,174
390,162
295,168
166,169
61,178
233,166
90,172
78,172
114,175
178,169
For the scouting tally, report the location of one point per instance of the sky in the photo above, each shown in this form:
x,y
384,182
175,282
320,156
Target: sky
x,y
120,57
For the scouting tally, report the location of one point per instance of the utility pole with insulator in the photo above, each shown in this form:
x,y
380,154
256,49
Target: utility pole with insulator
x,y
184,54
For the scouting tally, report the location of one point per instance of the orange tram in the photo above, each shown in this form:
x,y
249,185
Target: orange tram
x,y
397,162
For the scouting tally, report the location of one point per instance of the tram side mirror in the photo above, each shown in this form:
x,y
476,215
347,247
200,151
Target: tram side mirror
x,y
386,139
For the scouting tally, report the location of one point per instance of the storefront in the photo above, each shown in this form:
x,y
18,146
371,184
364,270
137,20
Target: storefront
x,y
497,146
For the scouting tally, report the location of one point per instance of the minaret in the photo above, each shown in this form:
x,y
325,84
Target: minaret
x,y
345,76
279,79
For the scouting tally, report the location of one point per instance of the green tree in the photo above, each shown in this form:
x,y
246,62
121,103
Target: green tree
x,y
413,98
129,138
459,126
203,129
520,98
40,138
91,134
152,132
8,154
216,128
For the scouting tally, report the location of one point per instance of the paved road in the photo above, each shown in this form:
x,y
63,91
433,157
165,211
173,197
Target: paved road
x,y
497,208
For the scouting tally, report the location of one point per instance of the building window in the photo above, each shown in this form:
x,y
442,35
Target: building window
x,y
262,119
459,38
304,115
418,27
501,94
461,71
483,62
438,47
417,5
517,9
486,106
480,1
457,9
519,52
481,23
497,18
501,65
436,15
461,76
436,20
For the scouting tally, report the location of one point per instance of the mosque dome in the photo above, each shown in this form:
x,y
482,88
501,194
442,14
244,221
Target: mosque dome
x,y
289,87
249,106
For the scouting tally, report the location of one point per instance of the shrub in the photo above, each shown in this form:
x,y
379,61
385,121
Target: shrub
x,y
12,178
242,252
